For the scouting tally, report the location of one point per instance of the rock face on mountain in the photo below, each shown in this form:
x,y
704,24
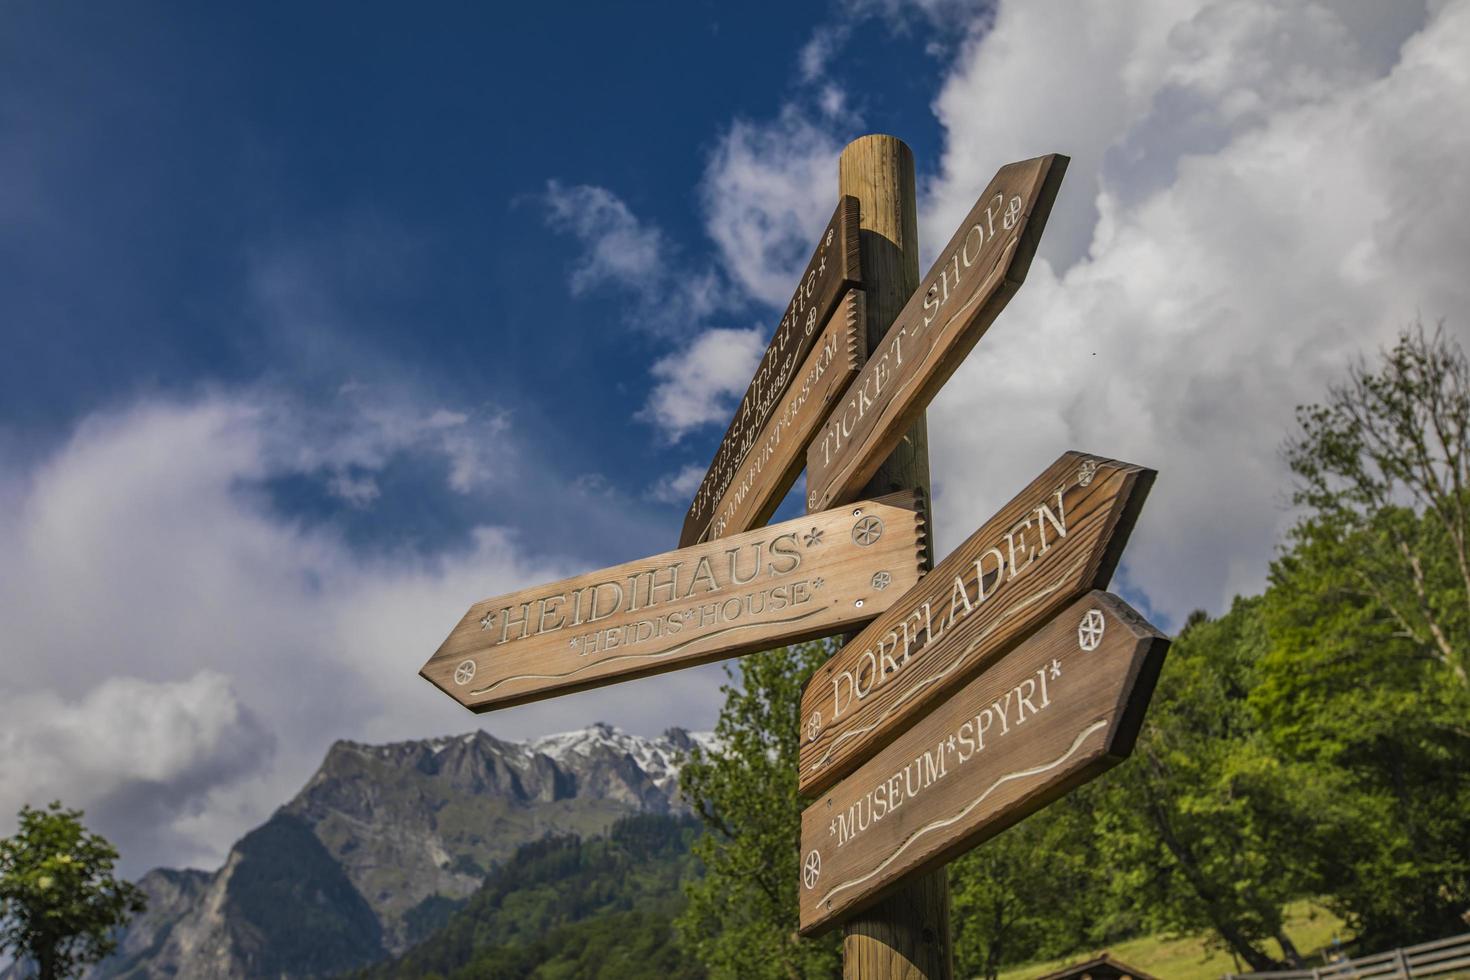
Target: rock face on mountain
x,y
382,844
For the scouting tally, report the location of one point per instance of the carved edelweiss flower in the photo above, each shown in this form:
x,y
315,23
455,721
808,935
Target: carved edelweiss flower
x,y
813,537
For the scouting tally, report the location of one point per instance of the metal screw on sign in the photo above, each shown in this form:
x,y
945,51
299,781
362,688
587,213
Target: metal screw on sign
x,y
464,673
867,531
1090,630
811,869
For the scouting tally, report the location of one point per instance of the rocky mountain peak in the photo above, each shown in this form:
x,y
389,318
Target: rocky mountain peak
x,y
384,838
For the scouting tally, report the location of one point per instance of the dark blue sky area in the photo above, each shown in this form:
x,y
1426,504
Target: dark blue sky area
x,y
317,194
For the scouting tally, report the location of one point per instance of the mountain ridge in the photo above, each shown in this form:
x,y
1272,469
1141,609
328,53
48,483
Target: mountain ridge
x,y
382,843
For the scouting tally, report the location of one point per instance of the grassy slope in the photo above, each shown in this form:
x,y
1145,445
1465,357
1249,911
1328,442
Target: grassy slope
x,y
1310,926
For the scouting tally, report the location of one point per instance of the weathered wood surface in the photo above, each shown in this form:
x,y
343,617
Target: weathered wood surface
x,y
1058,710
833,269
975,276
814,576
1057,539
908,936
776,456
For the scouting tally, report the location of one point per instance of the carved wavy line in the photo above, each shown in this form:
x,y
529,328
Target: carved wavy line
x,y
947,821
953,664
643,656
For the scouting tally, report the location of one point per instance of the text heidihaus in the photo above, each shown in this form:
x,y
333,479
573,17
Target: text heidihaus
x,y
650,589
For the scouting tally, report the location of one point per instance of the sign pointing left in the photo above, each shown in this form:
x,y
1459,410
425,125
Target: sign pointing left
x,y
814,576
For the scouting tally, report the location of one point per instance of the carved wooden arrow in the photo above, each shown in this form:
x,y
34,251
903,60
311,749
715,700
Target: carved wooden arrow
x,y
813,576
1055,712
976,275
1057,539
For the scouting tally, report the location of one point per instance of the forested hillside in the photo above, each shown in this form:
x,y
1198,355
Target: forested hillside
x,y
567,907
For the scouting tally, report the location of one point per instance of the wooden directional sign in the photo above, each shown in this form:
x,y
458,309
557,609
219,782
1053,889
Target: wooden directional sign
x,y
1055,712
814,576
977,273
833,270
1056,540
775,458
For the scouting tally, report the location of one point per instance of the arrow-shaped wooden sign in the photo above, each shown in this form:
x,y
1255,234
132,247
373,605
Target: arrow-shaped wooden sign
x,y
1055,712
814,576
976,275
833,270
1055,541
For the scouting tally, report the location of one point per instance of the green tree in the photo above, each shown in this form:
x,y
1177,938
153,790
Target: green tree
x,y
1369,612
1382,724
1199,825
60,905
1391,446
742,915
1036,890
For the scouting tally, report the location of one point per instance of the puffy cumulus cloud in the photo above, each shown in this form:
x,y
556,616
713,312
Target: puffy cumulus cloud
x,y
768,191
1258,192
702,383
139,753
161,615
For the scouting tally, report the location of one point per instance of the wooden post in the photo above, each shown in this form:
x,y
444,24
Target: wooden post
x,y
907,934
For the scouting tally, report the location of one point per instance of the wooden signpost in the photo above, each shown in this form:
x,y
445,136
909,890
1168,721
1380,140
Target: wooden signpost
x,y
1057,539
976,693
976,275
1058,710
813,576
832,271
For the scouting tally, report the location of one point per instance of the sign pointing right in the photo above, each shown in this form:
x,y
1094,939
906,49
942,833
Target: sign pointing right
x,y
1057,710
976,275
1057,539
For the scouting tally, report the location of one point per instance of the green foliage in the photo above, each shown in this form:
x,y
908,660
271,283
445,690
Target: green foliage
x,y
292,907
1383,469
563,907
1195,826
1377,722
742,915
60,905
1031,891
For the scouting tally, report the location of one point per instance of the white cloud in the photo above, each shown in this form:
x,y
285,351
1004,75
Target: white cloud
x,y
702,383
619,248
1266,199
140,753
768,190
679,488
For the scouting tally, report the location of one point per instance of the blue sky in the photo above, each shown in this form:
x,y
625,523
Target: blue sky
x,y
321,324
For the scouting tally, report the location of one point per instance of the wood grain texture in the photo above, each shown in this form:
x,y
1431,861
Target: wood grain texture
x,y
810,577
1057,539
833,270
979,271
776,457
1059,709
909,937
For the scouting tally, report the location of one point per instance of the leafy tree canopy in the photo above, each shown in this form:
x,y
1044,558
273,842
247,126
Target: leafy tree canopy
x,y
60,905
